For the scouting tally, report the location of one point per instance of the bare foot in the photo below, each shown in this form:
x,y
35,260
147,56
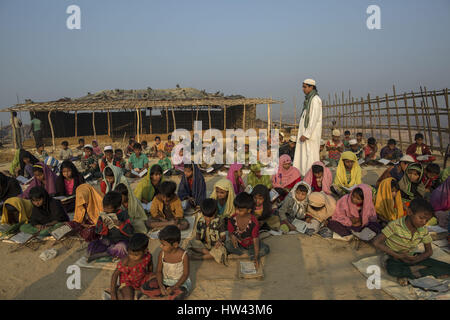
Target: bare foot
x,y
402,281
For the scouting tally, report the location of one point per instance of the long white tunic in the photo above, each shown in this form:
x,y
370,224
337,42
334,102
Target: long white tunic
x,y
308,152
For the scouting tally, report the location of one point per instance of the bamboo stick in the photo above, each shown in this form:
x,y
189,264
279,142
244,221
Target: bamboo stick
x,y
93,125
398,117
51,128
425,105
363,118
388,116
370,115
243,119
416,114
224,118
407,118
438,120
268,118
379,117
137,125
174,121
13,126
109,124
209,116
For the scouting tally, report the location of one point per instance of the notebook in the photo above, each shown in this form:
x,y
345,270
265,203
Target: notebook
x,y
273,195
61,232
24,180
423,158
64,198
21,237
140,174
366,234
384,161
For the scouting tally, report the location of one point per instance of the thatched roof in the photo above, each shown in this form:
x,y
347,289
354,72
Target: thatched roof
x,y
137,99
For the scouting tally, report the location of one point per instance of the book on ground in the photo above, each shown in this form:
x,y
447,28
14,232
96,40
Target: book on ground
x,y
139,174
61,231
366,234
248,267
436,229
24,180
21,237
423,158
64,198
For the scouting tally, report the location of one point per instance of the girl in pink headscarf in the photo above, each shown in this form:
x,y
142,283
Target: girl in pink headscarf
x,y
319,178
354,212
287,175
235,176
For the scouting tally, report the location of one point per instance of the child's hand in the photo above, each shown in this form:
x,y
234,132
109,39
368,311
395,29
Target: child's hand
x,y
169,290
308,220
163,290
234,241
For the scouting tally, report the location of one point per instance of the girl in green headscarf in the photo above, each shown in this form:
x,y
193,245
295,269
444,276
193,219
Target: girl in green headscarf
x,y
146,189
255,177
410,185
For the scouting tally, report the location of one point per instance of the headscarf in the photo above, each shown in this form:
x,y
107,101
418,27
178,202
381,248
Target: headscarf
x,y
267,205
323,201
327,179
408,188
226,185
285,177
341,175
50,210
440,197
346,209
307,105
10,187
297,203
234,168
22,205
145,189
50,181
253,180
444,174
97,150
86,194
77,177
385,205
135,209
26,154
198,186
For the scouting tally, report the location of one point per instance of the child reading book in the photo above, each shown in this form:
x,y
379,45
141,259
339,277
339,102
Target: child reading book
x,y
391,152
107,159
134,270
294,206
370,151
256,177
192,188
130,148
147,187
267,218
397,171
41,154
223,192
67,183
43,177
138,161
16,211
319,178
348,173
388,204
356,148
27,161
430,179
89,163
168,147
235,176
164,162
286,177
418,149
172,280
157,146
400,239
411,186
334,147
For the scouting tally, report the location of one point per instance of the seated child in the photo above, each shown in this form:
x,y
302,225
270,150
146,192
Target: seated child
x,y
156,147
16,211
243,229
65,153
148,186
67,183
267,218
114,229
223,192
130,147
96,149
172,280
348,173
370,152
178,160
138,161
346,140
107,159
354,212
356,148
255,177
120,162
286,177
420,149
430,178
334,147
192,187
41,153
321,206
391,152
400,238
164,162
411,183
47,214
43,177
359,139
397,171
168,147
89,163
81,144
166,208
294,206
388,203
319,178
440,200
210,234
26,161
9,187
235,176
145,148
134,270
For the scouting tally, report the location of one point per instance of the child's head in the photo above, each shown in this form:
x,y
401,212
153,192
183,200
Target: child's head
x,y
353,145
81,142
348,164
109,153
123,190
161,155
156,173
317,171
94,143
260,194
68,169
420,212
118,154
209,208
391,144
88,150
40,148
347,134
169,137
170,238
38,172
37,196
137,148
13,214
137,246
112,202
188,170
359,136
301,192
144,144
371,142
167,190
357,196
157,140
394,188
244,204
221,193
432,170
131,142
413,174
418,138
109,176
65,145
336,135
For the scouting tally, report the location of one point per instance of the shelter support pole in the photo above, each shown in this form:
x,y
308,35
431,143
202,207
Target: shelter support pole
x,y
93,125
76,123
51,128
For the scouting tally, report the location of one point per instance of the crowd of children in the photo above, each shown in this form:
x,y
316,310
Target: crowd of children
x,y
115,219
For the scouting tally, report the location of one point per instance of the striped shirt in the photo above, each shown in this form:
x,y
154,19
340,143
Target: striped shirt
x,y
400,239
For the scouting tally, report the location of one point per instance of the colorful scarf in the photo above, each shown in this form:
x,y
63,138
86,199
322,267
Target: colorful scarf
x,y
22,205
440,197
300,204
341,174
307,105
145,189
327,179
386,206
409,189
198,191
267,205
86,194
234,168
285,177
323,201
50,181
225,185
253,180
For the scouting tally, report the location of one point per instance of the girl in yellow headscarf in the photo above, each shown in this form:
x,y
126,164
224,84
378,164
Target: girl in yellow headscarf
x,y
15,212
223,192
348,173
388,203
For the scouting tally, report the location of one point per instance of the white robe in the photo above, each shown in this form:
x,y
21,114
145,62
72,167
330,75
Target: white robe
x,y
308,152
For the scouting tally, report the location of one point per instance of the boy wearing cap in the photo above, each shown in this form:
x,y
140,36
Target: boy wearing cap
x,y
107,159
355,148
397,171
289,148
335,147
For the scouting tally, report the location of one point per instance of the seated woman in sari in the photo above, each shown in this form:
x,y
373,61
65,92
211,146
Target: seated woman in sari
x,y
192,187
147,187
348,173
43,177
47,215
88,205
67,183
319,178
112,177
286,177
411,186
16,211
9,187
354,212
388,204
255,177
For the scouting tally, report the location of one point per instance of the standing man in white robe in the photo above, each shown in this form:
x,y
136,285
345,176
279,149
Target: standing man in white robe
x,y
307,150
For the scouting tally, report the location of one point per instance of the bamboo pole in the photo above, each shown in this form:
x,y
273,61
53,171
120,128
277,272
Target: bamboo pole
x,y
438,120
379,118
76,123
353,118
370,115
425,106
51,128
415,112
167,120
109,124
363,118
141,121
407,118
93,125
388,116
174,120
209,116
151,129
13,126
398,117
137,126
243,119
337,113
192,117
225,118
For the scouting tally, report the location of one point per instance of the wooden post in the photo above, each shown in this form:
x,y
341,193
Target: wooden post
x,y
167,120
224,117
151,129
51,128
93,124
415,112
388,116
407,118
109,124
281,115
398,117
370,115
438,120
243,120
76,123
363,118
13,126
379,118
209,116
344,113
174,120
425,106
354,117
192,117
268,118
137,125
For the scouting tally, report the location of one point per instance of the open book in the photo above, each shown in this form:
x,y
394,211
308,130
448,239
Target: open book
x,y
384,161
349,189
87,176
209,170
165,171
248,189
21,237
361,161
64,198
61,231
366,234
273,195
24,180
139,174
422,158
247,267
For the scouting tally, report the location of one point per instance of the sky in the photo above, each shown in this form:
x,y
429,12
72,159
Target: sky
x,y
256,48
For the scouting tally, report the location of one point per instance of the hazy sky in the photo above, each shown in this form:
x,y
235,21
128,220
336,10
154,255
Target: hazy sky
x,y
255,48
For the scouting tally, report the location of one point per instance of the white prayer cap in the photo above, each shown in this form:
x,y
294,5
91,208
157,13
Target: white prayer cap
x,y
108,148
322,142
353,141
407,158
311,82
293,138
88,146
336,133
